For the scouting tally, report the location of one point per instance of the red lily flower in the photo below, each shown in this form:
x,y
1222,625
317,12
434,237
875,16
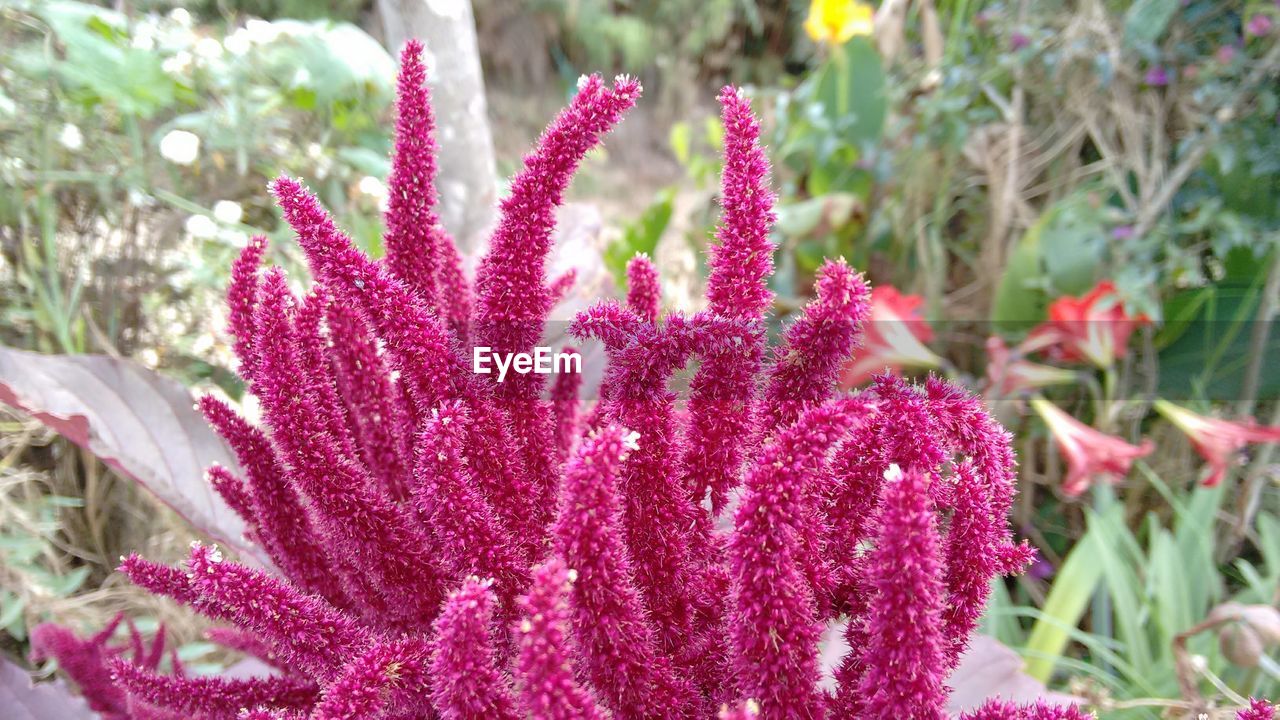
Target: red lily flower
x,y
1094,328
1010,373
894,337
1218,441
1090,454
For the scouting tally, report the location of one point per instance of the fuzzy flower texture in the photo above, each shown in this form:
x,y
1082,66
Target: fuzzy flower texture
x,y
447,546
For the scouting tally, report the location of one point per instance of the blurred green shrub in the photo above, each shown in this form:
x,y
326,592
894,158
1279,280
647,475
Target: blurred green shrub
x,y
135,150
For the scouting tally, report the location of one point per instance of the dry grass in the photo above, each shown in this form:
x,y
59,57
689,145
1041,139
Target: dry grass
x,y
115,518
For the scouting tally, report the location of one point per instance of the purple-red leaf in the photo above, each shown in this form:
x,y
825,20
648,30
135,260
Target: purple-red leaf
x,y
137,421
23,699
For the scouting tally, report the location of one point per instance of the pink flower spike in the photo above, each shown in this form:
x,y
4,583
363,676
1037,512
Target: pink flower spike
x,y
280,523
233,491
1218,441
621,658
418,247
644,294
85,662
742,259
418,343
904,657
807,365
374,402
468,536
302,629
390,677
565,404
1257,710
975,554
163,581
242,291
466,683
1040,710
512,301
1090,454
547,687
394,575
776,559
894,337
212,697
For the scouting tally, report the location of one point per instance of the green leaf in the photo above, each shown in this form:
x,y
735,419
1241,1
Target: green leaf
x,y
850,89
640,236
1147,20
1020,300
1067,601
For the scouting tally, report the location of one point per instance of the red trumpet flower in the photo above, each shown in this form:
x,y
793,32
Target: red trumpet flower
x,y
1090,454
1094,328
894,337
1218,441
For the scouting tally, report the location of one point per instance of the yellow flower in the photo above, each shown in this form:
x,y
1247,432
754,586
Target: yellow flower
x,y
835,21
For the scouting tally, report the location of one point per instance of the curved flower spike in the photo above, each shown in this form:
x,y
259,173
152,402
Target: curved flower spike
x,y
1040,710
742,261
242,291
390,677
1218,441
620,654
814,348
417,342
466,683
547,687
644,295
565,404
723,394
302,629
512,301
903,658
212,697
1257,710
414,239
280,523
1090,454
776,561
469,539
85,662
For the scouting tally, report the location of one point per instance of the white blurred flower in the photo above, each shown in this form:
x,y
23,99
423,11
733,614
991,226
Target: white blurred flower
x,y
71,137
301,77
180,16
234,238
180,147
144,36
238,42
177,64
201,226
372,186
208,49
228,211
7,105
261,31
314,150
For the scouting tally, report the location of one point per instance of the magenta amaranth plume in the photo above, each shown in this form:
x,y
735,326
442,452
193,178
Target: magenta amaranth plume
x,y
447,545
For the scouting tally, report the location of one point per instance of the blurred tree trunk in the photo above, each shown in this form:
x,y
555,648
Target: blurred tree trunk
x,y
467,181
